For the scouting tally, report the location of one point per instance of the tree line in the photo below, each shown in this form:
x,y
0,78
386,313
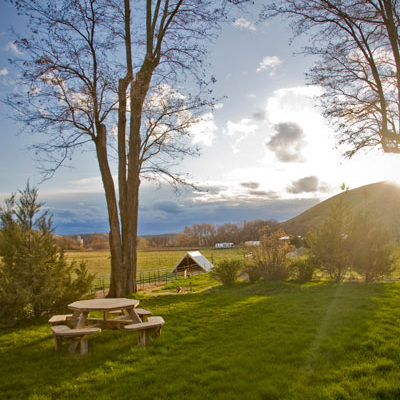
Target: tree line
x,y
197,235
206,235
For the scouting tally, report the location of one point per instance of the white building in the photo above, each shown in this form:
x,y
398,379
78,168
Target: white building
x,y
252,243
224,245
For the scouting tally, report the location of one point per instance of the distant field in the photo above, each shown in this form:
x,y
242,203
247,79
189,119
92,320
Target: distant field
x,y
98,262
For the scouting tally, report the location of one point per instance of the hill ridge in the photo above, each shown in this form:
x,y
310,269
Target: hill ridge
x,y
383,198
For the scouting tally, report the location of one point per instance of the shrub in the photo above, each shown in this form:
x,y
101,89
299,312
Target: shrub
x,y
329,247
302,268
227,271
35,278
370,248
253,271
271,255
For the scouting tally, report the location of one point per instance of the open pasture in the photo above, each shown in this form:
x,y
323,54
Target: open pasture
x,y
250,341
98,262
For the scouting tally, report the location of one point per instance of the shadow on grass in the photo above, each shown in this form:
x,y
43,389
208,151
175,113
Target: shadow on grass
x,y
274,340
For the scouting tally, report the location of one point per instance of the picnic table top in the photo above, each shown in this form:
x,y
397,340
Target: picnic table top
x,y
103,304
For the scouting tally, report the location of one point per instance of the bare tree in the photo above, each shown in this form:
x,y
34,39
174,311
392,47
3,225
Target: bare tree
x,y
77,87
358,49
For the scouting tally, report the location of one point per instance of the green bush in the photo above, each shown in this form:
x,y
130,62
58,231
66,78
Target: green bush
x,y
253,271
370,247
227,271
35,278
329,246
271,256
302,268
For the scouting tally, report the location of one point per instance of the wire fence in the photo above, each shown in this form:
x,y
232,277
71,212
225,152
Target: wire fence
x,y
144,278
152,277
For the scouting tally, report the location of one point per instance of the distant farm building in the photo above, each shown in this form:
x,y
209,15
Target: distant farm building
x,y
252,243
224,245
193,261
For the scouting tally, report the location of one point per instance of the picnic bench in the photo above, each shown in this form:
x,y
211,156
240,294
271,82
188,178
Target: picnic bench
x,y
78,326
59,319
62,332
147,331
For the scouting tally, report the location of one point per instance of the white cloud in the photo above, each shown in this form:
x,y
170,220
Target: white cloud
x,y
243,23
3,72
269,63
251,96
241,131
13,47
203,131
244,126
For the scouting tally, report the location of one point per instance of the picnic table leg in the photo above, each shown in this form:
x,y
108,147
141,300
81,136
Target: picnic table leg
x,y
82,320
73,321
142,338
81,323
74,344
58,342
134,316
84,345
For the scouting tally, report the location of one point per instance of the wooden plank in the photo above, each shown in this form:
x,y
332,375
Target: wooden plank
x,y
66,331
56,319
103,304
153,322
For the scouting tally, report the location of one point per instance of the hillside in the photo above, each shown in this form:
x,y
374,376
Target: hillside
x,y
383,198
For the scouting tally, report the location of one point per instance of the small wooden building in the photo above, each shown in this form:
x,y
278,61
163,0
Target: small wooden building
x,y
193,261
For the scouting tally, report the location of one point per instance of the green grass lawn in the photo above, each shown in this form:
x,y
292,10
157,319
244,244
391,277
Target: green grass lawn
x,y
251,341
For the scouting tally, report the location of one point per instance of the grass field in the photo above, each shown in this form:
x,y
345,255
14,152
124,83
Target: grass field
x,y
251,341
99,261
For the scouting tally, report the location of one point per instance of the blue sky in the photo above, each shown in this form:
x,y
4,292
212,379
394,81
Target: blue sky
x,y
266,150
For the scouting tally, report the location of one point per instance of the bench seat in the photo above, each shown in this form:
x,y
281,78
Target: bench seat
x,y
59,319
119,321
147,331
61,332
139,311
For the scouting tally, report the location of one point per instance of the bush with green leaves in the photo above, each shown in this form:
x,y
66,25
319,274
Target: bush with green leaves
x,y
271,256
35,278
253,271
227,271
329,247
370,246
302,268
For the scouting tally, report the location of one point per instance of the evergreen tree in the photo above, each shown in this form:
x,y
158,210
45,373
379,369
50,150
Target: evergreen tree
x,y
34,278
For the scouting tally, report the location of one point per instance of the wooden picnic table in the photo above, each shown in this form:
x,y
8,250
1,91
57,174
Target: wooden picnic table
x,y
82,308
79,326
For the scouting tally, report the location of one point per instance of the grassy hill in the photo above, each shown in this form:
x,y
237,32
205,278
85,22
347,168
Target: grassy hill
x,y
383,198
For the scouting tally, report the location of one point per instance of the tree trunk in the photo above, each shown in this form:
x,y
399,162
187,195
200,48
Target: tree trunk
x,y
117,270
138,92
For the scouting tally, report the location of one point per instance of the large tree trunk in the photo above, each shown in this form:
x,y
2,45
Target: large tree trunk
x,y
117,269
138,92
